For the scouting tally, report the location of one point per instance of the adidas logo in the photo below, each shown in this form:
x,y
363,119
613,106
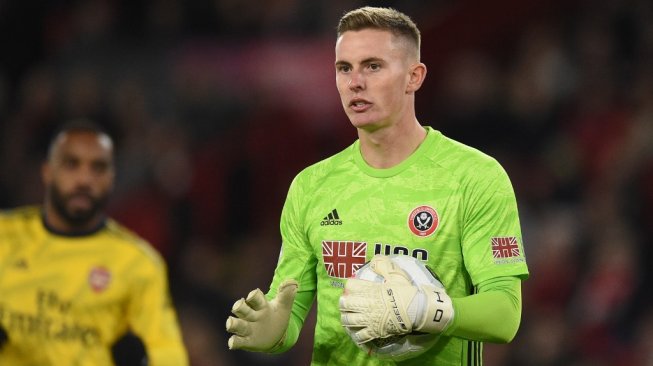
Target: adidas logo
x,y
331,219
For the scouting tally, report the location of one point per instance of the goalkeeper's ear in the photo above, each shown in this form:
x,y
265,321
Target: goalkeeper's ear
x,y
129,350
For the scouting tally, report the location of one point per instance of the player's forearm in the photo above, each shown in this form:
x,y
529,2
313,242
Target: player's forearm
x,y
492,315
164,344
296,263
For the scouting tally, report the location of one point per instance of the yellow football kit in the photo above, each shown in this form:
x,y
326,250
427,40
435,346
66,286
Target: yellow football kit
x,y
64,300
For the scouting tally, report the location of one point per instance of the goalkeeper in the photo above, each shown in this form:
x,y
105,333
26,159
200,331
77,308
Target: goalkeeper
x,y
400,188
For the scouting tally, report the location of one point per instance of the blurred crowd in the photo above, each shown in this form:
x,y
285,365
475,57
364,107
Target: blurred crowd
x,y
217,104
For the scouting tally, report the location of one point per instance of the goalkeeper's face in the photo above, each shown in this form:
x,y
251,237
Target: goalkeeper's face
x,y
78,177
377,74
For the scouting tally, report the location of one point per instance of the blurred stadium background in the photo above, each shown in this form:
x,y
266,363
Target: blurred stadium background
x,y
217,104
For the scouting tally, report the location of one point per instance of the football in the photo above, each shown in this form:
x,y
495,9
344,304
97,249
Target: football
x,y
410,345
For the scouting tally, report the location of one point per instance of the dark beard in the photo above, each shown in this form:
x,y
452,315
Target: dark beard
x,y
77,218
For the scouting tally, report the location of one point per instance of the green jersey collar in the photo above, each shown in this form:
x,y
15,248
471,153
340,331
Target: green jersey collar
x,y
430,139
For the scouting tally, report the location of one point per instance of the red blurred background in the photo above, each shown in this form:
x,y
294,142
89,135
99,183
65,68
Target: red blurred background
x,y
217,104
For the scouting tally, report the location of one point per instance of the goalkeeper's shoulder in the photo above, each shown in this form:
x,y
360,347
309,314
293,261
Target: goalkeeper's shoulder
x,y
323,168
466,163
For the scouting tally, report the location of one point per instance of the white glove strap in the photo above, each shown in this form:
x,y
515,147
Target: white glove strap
x,y
431,310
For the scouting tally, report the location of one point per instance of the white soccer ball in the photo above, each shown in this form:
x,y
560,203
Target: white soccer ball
x,y
410,345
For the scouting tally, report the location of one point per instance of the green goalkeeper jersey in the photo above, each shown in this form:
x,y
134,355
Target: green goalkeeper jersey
x,y
65,299
447,204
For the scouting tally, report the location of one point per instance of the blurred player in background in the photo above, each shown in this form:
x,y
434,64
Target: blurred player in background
x,y
76,288
401,188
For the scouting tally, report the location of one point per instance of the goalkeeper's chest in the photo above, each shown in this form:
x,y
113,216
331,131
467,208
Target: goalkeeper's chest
x,y
345,234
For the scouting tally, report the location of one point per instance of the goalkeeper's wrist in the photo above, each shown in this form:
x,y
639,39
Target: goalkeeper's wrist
x,y
278,347
438,312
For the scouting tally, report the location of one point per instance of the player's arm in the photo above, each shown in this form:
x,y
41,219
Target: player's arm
x,y
152,317
395,306
491,315
260,324
272,323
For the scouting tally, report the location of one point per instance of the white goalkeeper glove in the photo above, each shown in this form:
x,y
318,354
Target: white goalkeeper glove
x,y
261,325
395,307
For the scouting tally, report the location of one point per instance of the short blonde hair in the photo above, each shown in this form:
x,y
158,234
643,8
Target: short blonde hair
x,y
396,22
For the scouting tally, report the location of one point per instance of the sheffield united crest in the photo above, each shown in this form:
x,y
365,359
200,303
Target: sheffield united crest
x,y
423,221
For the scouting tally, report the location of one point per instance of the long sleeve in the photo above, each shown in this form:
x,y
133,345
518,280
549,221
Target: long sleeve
x,y
492,315
152,316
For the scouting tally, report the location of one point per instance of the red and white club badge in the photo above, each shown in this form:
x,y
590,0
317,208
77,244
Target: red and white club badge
x,y
423,221
99,278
